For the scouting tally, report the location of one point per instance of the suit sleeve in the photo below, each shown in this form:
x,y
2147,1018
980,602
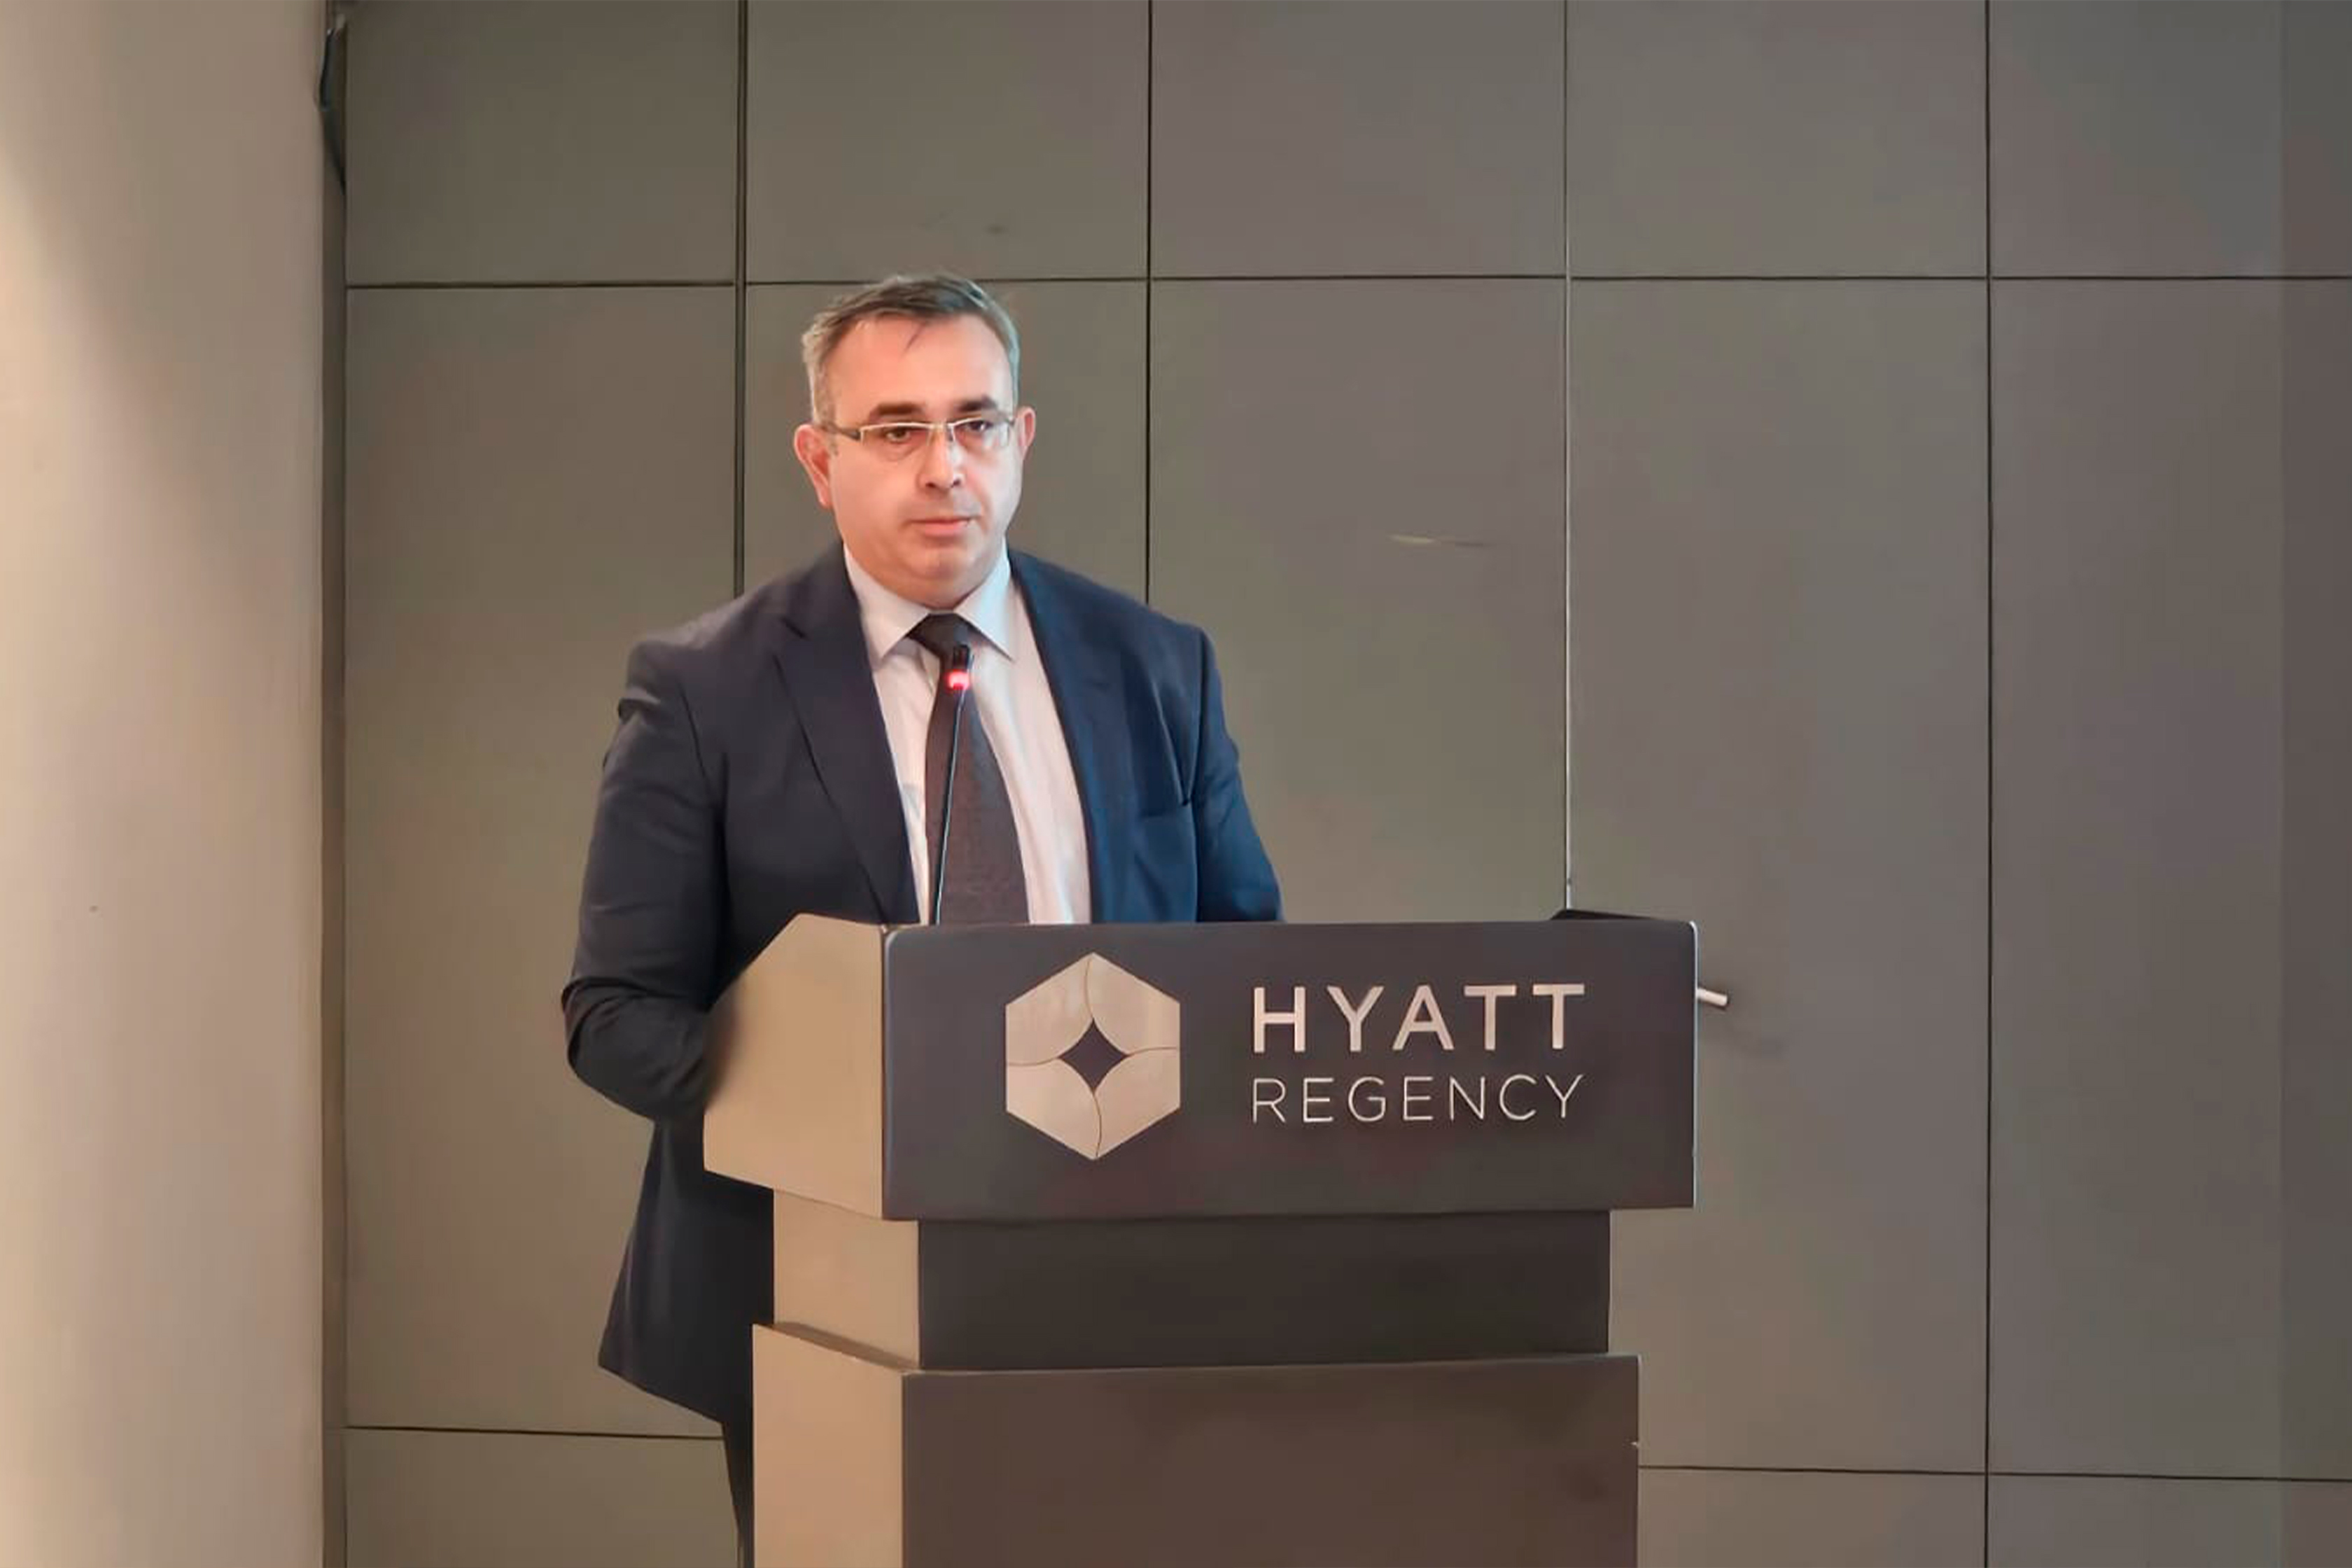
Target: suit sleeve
x,y
1236,879
652,906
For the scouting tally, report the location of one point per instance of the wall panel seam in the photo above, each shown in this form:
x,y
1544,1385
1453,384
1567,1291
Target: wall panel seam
x,y
742,302
1972,1475
1984,1538
1151,13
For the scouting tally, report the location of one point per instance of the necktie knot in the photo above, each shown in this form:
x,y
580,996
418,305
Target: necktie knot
x,y
939,635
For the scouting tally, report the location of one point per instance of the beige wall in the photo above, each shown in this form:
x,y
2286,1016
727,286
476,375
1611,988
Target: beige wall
x,y
160,794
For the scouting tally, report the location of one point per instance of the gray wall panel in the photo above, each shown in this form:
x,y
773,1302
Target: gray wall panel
x,y
1776,1518
1355,137
1357,488
499,141
472,1500
2049,1521
2135,137
2136,597
1805,136
2317,184
2315,1069
2044,1521
1082,369
1778,671
990,138
2316,1526
2040,1521
535,478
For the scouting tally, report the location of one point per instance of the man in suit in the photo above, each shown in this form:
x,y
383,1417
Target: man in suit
x,y
787,753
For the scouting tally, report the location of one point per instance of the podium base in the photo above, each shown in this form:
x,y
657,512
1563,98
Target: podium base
x,y
867,1462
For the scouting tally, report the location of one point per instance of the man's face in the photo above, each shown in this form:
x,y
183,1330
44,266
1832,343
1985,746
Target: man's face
x,y
927,520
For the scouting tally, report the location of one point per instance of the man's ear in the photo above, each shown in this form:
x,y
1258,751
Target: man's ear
x,y
1025,425
814,450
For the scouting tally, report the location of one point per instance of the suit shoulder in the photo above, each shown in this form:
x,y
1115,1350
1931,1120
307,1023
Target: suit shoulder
x,y
1108,607
713,640
720,627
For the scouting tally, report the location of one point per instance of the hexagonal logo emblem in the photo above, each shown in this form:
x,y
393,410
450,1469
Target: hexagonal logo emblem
x,y
1091,1056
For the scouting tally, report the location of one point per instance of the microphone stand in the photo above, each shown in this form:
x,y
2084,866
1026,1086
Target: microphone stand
x,y
959,679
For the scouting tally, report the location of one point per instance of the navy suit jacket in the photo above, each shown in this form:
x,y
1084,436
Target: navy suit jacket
x,y
749,781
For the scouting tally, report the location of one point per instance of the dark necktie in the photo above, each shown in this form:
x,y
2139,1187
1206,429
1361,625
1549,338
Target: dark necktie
x,y
984,885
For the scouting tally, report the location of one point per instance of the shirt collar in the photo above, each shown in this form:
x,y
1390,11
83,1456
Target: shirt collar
x,y
888,617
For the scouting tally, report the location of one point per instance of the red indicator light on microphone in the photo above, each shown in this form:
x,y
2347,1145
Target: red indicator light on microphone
x,y
959,680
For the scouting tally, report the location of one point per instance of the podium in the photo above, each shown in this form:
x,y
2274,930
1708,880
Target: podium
x,y
1202,1245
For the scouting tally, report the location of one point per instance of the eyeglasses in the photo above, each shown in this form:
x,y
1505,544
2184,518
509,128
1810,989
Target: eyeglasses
x,y
977,434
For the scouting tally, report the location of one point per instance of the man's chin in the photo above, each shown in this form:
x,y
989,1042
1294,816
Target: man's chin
x,y
971,554
951,571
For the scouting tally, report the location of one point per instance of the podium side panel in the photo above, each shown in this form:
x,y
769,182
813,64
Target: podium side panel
x,y
849,1275
798,1104
827,1442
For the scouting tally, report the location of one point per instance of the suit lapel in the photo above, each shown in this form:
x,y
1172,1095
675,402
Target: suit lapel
x,y
1083,673
823,659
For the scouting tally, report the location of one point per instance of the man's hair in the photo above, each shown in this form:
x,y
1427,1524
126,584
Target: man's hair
x,y
926,297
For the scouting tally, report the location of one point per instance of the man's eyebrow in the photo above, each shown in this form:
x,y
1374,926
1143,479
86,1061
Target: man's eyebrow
x,y
882,411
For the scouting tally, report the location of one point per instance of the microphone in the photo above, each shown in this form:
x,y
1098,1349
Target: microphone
x,y
959,679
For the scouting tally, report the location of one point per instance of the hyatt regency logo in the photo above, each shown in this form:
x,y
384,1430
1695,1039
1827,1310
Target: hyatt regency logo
x,y
1091,1056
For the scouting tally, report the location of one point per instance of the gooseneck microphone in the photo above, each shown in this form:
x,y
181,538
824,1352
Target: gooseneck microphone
x,y
957,676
